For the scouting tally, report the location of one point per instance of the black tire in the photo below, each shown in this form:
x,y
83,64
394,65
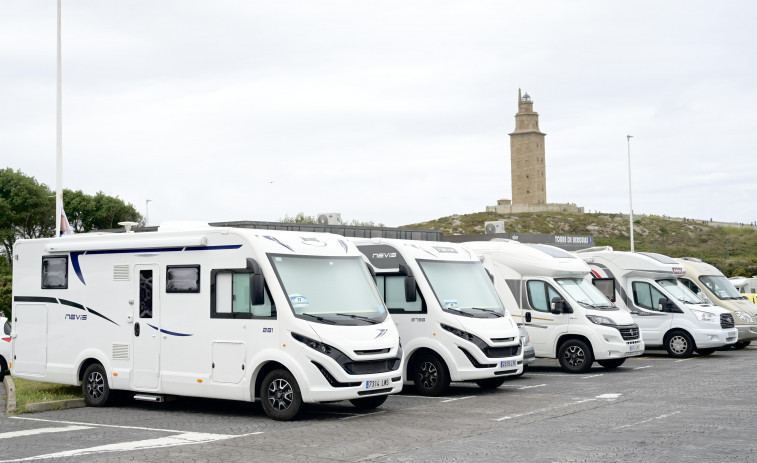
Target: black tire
x,y
95,387
3,367
705,351
741,344
490,383
280,396
575,356
679,344
430,375
611,364
369,403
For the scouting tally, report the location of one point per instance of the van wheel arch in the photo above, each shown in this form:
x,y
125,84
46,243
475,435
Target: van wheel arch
x,y
261,374
679,343
85,364
431,357
579,343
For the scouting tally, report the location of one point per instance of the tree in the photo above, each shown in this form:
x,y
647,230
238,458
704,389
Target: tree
x,y
100,212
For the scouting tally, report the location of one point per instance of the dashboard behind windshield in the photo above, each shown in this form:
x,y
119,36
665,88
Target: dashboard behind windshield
x,y
463,288
720,286
585,293
679,291
332,290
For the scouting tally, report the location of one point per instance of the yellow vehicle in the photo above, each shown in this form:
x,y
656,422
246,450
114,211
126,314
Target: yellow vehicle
x,y
712,286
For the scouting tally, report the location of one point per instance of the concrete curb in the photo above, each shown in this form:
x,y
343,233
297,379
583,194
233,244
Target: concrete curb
x,y
10,389
56,405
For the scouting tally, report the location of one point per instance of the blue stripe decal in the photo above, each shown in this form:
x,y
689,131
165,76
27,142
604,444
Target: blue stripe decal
x,y
77,267
172,333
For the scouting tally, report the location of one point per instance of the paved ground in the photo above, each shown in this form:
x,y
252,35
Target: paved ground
x,y
654,408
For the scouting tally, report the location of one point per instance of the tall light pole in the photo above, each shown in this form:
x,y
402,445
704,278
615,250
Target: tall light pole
x,y
630,196
58,140
147,210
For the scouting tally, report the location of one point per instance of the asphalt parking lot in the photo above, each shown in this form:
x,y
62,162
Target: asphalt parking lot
x,y
653,408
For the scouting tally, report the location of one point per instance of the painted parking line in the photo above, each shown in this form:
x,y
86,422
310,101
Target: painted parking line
x,y
650,419
32,432
592,376
362,415
530,387
458,398
542,410
179,438
641,368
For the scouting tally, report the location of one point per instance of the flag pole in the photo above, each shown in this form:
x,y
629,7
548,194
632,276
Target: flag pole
x,y
59,142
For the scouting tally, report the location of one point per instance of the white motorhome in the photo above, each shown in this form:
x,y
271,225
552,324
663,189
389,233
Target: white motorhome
x,y
280,317
669,315
746,287
709,283
452,325
566,317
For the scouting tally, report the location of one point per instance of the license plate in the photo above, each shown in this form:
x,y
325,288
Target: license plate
x,y
508,363
634,348
377,383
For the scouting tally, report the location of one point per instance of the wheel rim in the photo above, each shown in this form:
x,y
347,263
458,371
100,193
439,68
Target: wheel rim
x,y
428,375
678,344
574,356
95,385
280,394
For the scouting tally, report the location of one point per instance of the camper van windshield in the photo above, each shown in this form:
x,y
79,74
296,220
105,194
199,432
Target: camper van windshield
x,y
463,288
585,293
720,286
331,290
679,291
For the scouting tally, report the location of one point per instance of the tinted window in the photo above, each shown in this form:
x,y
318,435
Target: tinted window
x,y
646,295
183,279
145,294
55,272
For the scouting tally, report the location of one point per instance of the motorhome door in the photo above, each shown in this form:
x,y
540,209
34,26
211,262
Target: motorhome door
x,y
543,326
146,337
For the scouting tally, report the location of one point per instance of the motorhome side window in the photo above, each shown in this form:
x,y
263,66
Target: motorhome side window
x,y
183,279
231,296
645,295
54,272
145,294
540,293
392,290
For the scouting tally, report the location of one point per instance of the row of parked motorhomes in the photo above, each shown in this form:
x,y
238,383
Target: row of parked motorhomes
x,y
290,317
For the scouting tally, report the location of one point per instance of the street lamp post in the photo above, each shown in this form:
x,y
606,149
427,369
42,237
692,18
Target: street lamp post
x,y
630,196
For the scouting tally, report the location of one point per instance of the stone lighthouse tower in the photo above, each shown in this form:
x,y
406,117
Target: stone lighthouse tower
x,y
527,156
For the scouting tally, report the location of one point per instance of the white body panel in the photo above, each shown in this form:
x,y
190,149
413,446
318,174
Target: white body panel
x,y
628,268
423,329
183,347
514,265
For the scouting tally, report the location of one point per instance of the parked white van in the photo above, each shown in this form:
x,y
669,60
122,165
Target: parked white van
x,y
566,317
452,325
669,315
709,283
283,317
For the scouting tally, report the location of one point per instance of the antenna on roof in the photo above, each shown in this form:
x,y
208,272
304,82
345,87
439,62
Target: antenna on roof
x,y
128,226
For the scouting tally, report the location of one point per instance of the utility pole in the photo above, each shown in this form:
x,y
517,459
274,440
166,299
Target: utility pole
x,y
630,196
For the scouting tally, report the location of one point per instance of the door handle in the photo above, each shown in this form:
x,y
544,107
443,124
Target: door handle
x,y
136,329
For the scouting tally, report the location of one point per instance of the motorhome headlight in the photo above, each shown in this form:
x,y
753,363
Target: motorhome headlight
x,y
323,348
744,317
704,316
599,320
467,336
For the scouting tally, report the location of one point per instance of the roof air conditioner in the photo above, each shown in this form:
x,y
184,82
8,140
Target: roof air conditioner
x,y
329,218
491,228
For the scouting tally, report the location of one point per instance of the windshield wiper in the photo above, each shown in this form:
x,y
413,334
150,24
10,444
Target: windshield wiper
x,y
358,317
458,311
486,310
319,318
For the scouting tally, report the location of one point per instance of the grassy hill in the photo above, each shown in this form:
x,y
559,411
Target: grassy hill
x,y
732,249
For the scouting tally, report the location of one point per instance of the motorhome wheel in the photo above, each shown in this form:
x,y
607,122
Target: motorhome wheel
x,y
575,356
490,383
280,395
611,364
430,375
369,403
705,351
679,344
95,386
3,367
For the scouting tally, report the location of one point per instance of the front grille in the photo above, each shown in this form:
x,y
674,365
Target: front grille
x,y
330,378
372,366
498,352
726,320
503,339
629,332
474,362
372,351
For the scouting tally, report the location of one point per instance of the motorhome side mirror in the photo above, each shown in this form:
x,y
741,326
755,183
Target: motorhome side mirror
x,y
257,289
410,293
666,305
557,305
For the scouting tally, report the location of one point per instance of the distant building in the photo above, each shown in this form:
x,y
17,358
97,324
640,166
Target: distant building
x,y
527,166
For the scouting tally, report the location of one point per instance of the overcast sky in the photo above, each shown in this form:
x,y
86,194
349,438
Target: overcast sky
x,y
391,111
